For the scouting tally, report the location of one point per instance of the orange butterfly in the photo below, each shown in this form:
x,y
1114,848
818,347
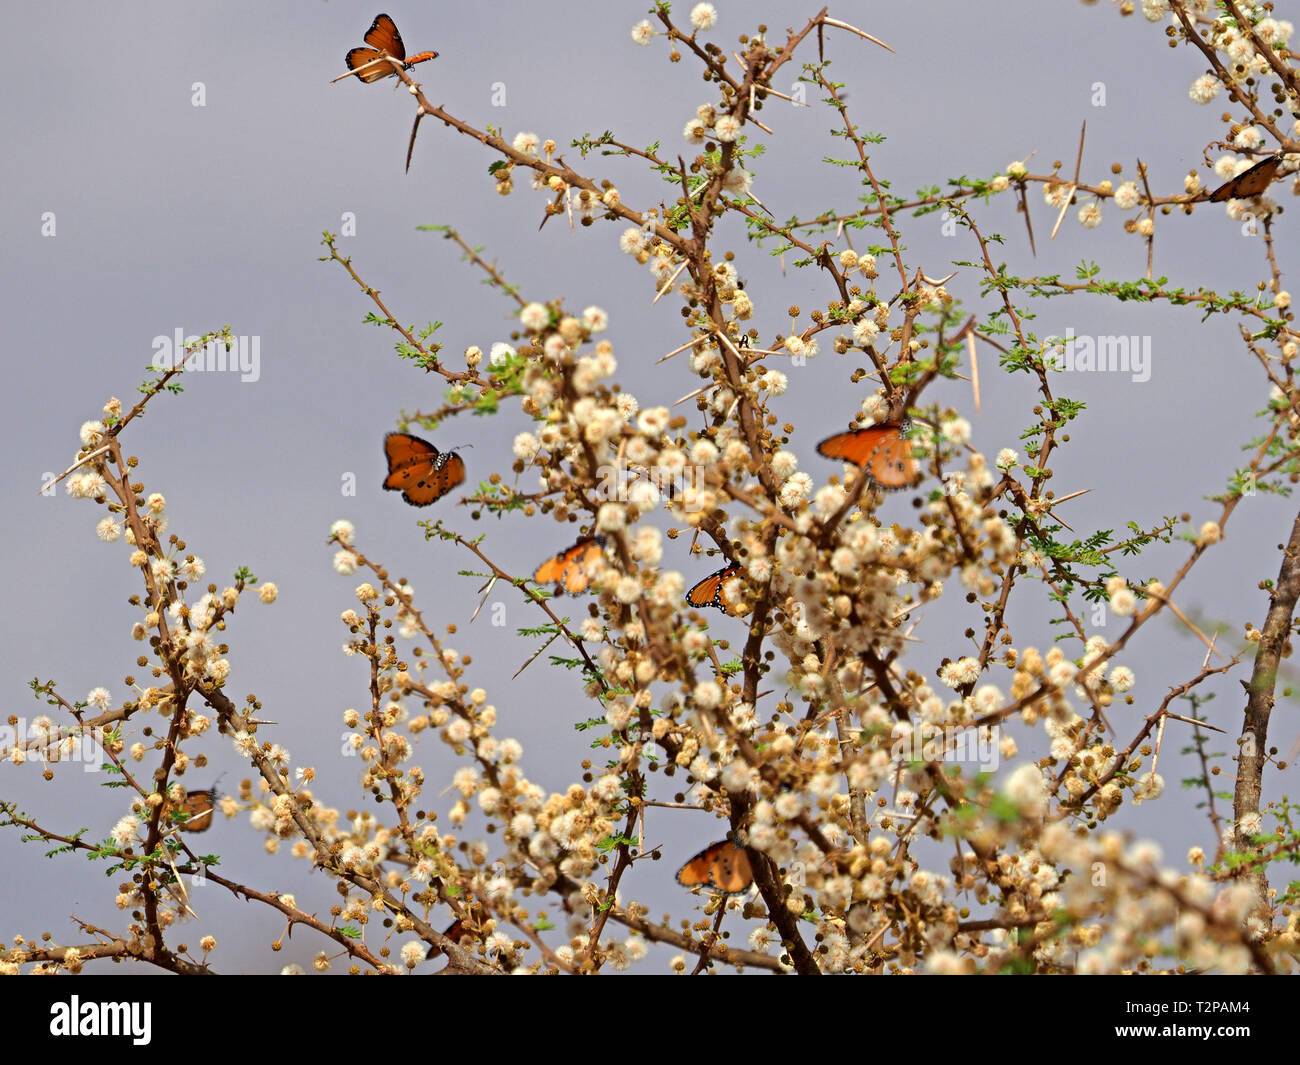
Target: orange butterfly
x,y
1248,183
723,867
382,37
418,470
883,450
709,592
196,810
572,569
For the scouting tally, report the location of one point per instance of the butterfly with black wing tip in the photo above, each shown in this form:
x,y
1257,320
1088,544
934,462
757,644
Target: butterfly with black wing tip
x,y
722,867
369,65
1248,183
712,591
573,568
418,470
883,451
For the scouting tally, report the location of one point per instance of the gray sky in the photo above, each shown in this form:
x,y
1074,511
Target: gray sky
x,y
174,216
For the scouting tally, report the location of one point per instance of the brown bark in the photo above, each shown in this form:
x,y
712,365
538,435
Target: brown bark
x,y
1273,644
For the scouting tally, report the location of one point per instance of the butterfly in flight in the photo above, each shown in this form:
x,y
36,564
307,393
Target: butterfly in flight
x,y
722,867
883,451
418,470
573,568
369,65
710,591
194,812
1248,183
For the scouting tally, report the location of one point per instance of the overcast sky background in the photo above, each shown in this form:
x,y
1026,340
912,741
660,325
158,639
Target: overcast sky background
x,y
174,216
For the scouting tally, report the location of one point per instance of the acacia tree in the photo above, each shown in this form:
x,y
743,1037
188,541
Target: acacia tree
x,y
827,744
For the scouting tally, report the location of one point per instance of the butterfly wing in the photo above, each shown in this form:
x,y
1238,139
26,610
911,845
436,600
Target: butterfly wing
x,y
892,464
449,472
198,808
583,567
357,61
1248,183
883,451
728,599
703,593
854,446
552,570
709,592
571,570
723,866
409,458
418,470
695,873
383,35
731,873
